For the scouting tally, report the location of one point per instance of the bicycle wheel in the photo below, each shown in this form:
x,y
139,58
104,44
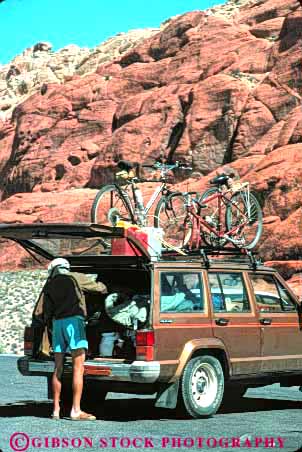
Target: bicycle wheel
x,y
210,213
109,206
244,213
169,215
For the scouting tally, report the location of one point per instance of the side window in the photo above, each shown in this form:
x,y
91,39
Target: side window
x,y
228,292
287,302
181,292
270,295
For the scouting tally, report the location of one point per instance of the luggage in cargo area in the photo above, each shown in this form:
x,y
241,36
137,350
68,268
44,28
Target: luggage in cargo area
x,y
112,319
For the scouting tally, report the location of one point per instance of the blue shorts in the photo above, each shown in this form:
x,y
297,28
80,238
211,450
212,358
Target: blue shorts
x,y
69,334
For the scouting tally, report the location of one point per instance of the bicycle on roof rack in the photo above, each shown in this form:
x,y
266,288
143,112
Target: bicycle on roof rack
x,y
123,200
226,213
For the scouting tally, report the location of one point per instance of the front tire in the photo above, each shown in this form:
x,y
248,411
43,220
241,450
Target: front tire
x,y
202,386
170,214
210,213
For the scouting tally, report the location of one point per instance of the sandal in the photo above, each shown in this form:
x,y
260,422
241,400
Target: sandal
x,y
55,417
83,417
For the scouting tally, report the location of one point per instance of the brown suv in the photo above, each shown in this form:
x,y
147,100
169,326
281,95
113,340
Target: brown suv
x,y
213,327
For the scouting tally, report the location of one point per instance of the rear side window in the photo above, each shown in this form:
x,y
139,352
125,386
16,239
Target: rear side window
x,y
181,292
270,295
228,292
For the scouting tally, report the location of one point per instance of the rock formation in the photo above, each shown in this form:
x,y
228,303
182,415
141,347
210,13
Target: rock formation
x,y
214,87
38,66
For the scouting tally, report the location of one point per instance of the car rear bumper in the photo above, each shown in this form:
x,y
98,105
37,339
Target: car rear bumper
x,y
103,369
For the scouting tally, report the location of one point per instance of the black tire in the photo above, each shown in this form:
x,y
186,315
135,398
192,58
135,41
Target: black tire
x,y
210,214
202,386
169,215
242,207
109,205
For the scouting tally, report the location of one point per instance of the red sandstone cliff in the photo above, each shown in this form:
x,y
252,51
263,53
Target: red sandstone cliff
x,y
211,88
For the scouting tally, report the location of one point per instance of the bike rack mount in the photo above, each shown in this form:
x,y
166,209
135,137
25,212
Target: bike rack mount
x,y
205,252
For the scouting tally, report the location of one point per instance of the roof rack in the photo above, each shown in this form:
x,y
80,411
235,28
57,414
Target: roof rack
x,y
230,254
234,253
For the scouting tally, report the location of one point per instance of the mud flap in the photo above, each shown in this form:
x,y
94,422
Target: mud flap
x,y
167,396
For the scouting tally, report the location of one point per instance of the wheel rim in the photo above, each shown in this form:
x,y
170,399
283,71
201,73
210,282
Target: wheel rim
x,y
171,219
204,385
246,216
110,208
210,213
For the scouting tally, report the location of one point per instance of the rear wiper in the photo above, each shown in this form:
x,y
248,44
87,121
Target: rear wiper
x,y
101,241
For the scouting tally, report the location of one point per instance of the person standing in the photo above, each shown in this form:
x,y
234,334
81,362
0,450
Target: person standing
x,y
65,312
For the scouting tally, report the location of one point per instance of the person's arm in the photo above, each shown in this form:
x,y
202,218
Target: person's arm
x,y
48,309
88,285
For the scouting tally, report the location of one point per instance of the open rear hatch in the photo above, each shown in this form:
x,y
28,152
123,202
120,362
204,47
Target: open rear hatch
x,y
76,242
88,249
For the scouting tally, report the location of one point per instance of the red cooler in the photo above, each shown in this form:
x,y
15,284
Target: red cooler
x,y
123,247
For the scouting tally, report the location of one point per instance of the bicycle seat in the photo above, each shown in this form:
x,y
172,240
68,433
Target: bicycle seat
x,y
124,165
221,179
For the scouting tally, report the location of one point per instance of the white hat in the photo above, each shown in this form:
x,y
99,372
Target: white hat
x,y
58,262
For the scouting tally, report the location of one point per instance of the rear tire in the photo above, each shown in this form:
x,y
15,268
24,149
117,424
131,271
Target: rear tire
x,y
202,386
242,207
109,206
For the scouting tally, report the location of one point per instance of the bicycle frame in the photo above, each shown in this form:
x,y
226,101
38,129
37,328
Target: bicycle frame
x,y
140,212
134,201
154,196
221,233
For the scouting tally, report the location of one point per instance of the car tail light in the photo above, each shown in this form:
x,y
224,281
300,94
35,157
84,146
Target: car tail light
x,y
28,340
145,341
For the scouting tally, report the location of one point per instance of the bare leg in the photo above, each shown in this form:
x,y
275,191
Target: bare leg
x,y
78,358
57,382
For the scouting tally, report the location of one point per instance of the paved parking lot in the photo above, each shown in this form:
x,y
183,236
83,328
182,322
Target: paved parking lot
x,y
131,422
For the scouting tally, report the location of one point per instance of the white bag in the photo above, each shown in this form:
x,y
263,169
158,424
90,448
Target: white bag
x,y
107,344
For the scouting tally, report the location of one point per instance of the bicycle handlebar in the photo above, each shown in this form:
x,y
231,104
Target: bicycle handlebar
x,y
170,166
127,166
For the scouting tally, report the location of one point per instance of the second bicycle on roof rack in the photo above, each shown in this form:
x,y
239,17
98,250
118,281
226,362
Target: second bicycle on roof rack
x,y
226,213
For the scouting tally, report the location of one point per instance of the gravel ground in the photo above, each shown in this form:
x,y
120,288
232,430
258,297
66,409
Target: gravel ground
x,y
19,292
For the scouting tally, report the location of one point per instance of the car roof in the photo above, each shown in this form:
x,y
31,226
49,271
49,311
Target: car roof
x,y
51,240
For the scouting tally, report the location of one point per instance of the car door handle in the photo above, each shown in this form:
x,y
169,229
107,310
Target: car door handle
x,y
265,321
222,322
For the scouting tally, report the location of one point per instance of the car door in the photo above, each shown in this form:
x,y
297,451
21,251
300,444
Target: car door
x,y
181,314
281,333
234,320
